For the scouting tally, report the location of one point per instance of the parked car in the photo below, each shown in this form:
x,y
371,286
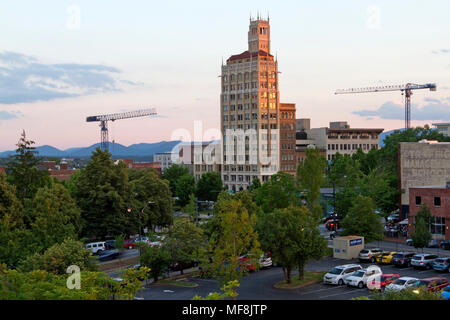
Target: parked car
x,y
385,280
433,284
108,255
402,283
177,266
369,254
433,243
248,261
446,293
385,257
96,247
409,242
394,218
332,224
338,274
360,277
129,243
402,259
445,244
423,260
442,264
110,244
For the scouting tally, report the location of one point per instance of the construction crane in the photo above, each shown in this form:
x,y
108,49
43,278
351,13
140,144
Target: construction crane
x,y
113,117
404,88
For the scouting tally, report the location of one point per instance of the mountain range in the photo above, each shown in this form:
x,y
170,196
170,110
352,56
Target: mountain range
x,y
140,150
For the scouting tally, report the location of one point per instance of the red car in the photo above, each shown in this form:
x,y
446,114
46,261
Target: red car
x,y
332,224
129,243
385,279
433,283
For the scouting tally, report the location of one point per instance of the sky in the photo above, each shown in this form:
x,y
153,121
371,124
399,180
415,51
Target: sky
x,y
61,61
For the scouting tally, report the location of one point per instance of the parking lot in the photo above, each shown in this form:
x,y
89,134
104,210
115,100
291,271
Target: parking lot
x,y
260,285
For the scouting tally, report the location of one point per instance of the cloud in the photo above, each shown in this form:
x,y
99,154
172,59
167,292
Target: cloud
x,y
24,79
441,51
5,115
435,109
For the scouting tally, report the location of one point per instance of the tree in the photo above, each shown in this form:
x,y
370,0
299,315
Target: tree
x,y
184,187
103,194
310,177
422,235
58,257
209,186
43,285
55,216
279,192
190,207
256,183
11,208
23,172
362,220
185,242
172,174
234,235
229,291
147,186
292,237
157,259
411,293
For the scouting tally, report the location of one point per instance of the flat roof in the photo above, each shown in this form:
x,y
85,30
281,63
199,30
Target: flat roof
x,y
356,129
441,124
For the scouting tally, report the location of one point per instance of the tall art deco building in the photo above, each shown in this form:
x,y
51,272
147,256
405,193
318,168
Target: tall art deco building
x,y
250,103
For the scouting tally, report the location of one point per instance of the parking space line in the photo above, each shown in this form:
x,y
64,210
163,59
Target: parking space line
x,y
324,289
342,293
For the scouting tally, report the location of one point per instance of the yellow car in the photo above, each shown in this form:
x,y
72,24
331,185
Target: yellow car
x,y
385,257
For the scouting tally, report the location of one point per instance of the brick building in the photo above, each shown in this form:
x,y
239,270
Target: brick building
x,y
141,165
287,138
437,199
424,163
2,170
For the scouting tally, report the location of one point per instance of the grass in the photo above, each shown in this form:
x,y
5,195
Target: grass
x,y
177,283
309,279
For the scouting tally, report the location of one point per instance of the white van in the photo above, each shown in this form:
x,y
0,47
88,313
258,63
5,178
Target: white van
x,y
339,274
96,247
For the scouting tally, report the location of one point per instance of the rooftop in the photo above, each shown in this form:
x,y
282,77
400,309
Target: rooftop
x,y
246,54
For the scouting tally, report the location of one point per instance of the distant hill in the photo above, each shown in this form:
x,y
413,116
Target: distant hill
x,y
384,134
141,151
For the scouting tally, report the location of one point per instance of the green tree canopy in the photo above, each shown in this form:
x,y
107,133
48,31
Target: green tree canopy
x,y
172,174
147,187
278,192
184,187
23,172
422,235
209,186
233,236
310,177
55,216
362,220
185,241
11,208
59,257
103,194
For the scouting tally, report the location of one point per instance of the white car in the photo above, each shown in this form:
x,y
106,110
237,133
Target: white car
x,y
359,278
339,274
96,247
402,283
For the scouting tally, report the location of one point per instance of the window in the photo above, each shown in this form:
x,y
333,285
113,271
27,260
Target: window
x,y
437,201
437,225
418,200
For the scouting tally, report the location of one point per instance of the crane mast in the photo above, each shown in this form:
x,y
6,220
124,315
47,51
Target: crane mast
x,y
404,88
103,119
